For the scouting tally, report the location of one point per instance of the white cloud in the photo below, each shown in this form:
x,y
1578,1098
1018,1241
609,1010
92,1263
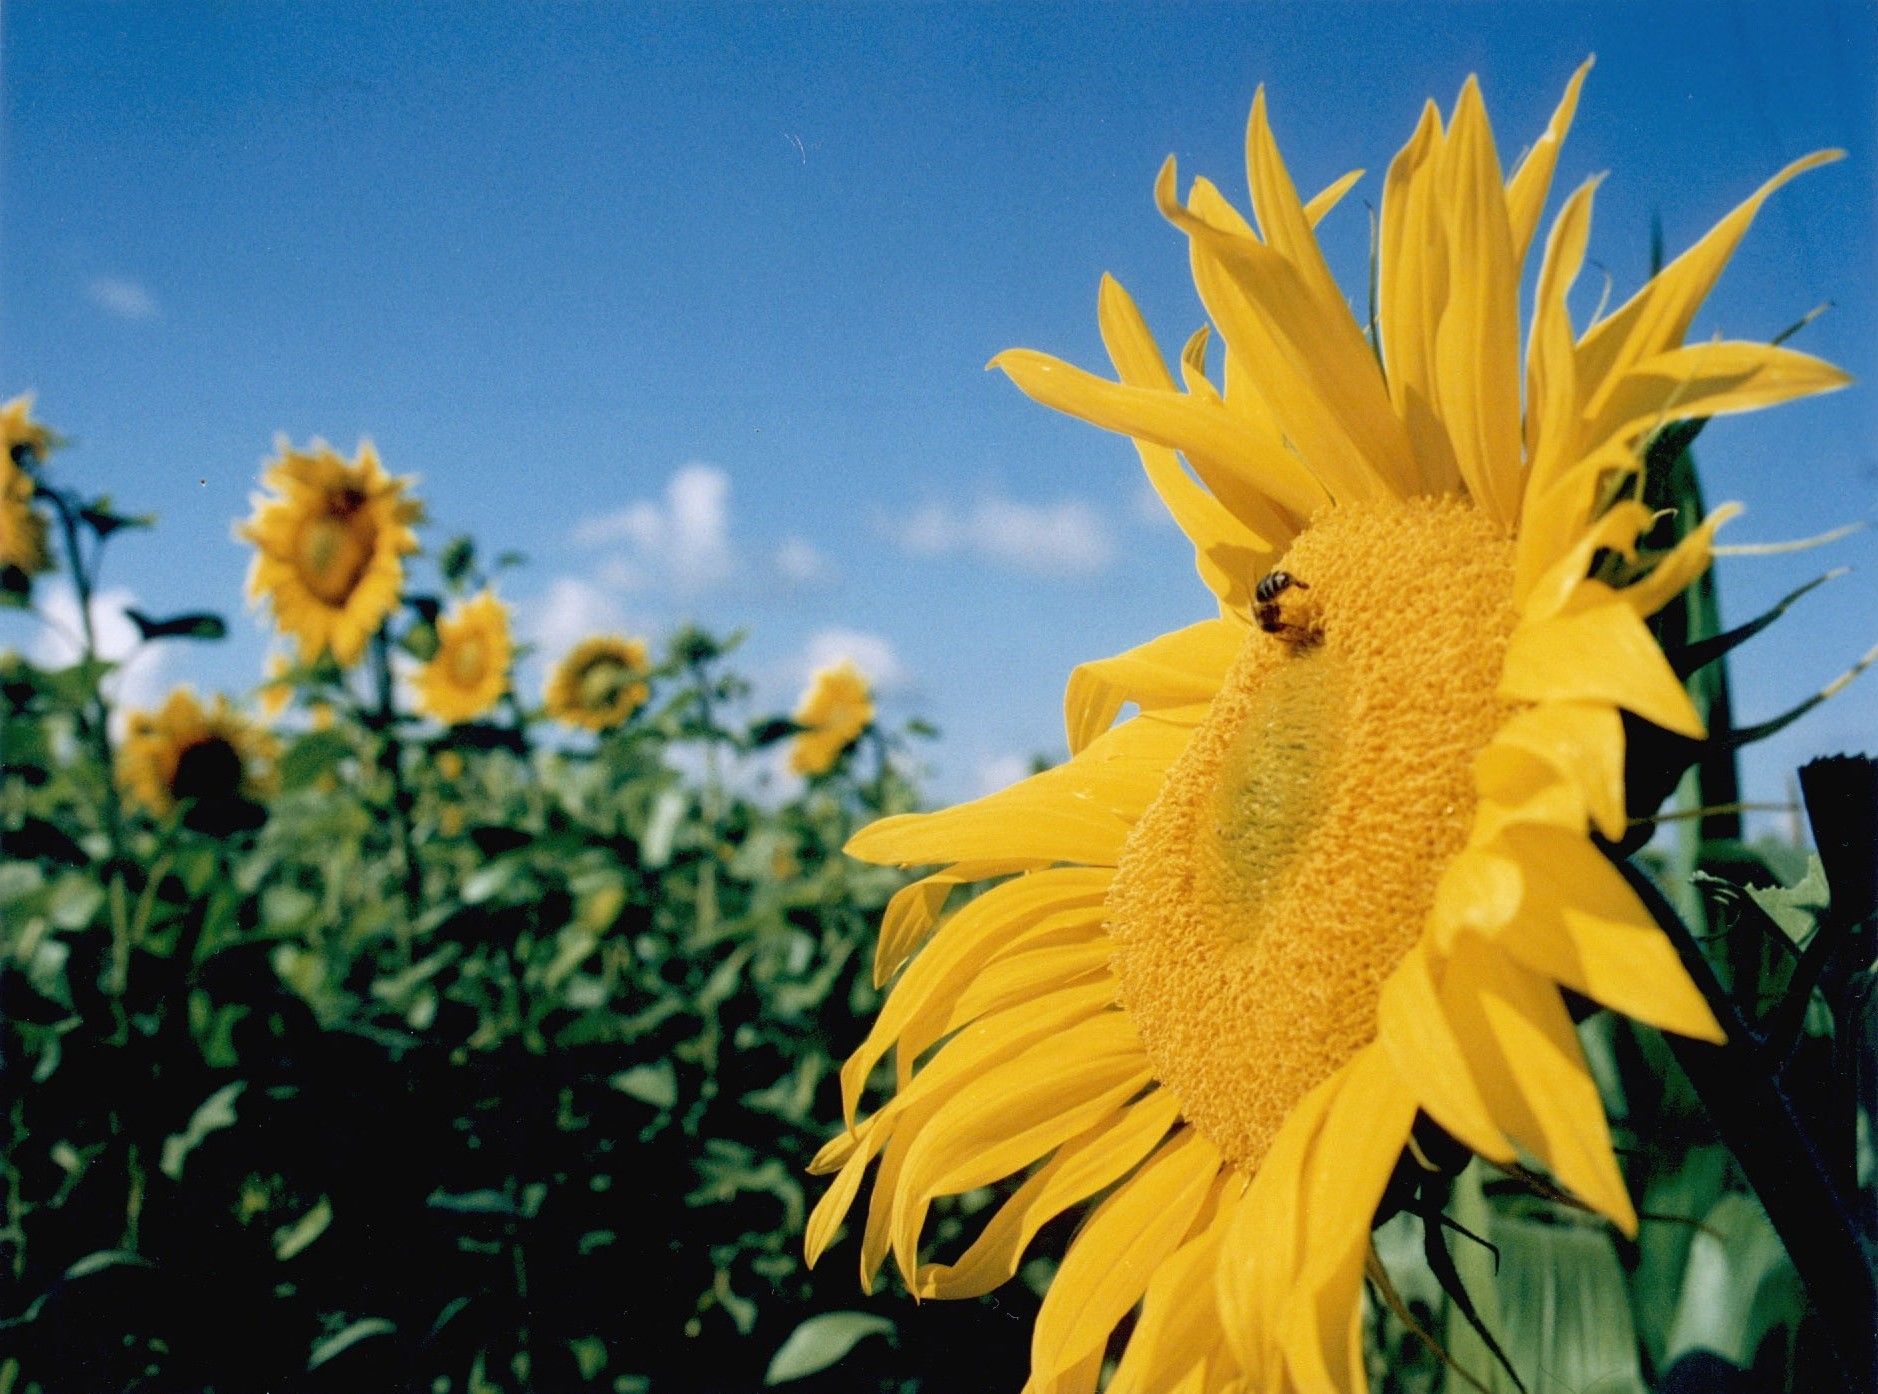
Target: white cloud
x,y
798,563
572,610
1067,537
123,297
872,654
999,772
682,540
143,679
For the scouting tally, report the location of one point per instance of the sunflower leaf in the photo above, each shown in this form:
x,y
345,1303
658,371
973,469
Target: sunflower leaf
x,y
822,1341
197,624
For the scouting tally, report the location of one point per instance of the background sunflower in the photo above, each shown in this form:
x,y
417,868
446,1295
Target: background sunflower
x,y
469,673
600,683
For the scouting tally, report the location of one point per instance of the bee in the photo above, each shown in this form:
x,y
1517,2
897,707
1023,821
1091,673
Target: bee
x,y
1269,610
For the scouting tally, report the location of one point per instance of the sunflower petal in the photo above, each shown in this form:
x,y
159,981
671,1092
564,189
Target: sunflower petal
x,y
1178,1335
1526,190
913,910
1602,653
1177,669
1415,1031
1584,741
1108,1265
1081,1167
1412,290
1677,571
1704,380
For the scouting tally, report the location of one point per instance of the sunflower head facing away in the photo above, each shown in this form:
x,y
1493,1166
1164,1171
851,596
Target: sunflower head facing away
x,y
202,759
835,709
22,529
1338,870
329,547
469,673
600,683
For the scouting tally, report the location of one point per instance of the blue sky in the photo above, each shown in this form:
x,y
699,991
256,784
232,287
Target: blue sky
x,y
691,303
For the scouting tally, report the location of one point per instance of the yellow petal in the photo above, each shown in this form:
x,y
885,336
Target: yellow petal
x,y
1477,343
1319,377
1286,223
1712,379
1583,741
1081,1167
1602,653
1124,1241
1525,1053
1414,1030
1526,190
1257,481
1616,531
913,909
1330,197
825,1219
1412,291
962,946
1658,316
1581,925
1178,1335
1181,668
1059,952
1677,571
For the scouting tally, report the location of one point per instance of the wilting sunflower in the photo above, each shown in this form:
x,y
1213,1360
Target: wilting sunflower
x,y
835,709
22,530
470,670
329,546
185,753
600,683
1338,869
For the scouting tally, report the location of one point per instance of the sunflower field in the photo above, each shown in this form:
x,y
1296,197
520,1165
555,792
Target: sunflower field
x,y
1385,994
387,1032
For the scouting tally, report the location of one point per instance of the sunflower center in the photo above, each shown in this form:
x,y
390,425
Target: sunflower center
x,y
1290,858
209,769
602,682
468,660
335,547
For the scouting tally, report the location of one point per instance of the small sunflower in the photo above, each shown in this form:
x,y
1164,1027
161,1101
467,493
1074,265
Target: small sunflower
x,y
1339,869
329,546
184,753
837,707
600,683
470,670
22,529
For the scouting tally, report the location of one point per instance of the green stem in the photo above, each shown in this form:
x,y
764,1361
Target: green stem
x,y
1782,1161
391,760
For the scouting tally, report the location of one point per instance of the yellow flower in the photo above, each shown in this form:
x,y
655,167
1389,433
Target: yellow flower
x,y
1338,869
276,692
470,670
22,530
600,683
329,546
836,708
184,752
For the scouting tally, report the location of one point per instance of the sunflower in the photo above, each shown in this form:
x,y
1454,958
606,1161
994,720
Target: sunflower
x,y
22,530
600,683
1337,871
184,753
835,709
470,670
329,546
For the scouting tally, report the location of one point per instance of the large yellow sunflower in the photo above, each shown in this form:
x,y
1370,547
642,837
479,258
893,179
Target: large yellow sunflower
x,y
184,752
329,546
470,670
1339,867
600,683
22,530
836,707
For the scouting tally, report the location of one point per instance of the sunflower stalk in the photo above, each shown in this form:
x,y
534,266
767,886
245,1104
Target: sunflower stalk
x,y
1781,1160
391,760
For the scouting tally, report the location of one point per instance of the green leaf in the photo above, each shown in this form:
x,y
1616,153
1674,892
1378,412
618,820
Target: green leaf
x,y
359,1330
103,520
215,1112
291,1239
107,1258
821,1341
312,755
196,624
655,1084
457,559
1738,1288
1796,908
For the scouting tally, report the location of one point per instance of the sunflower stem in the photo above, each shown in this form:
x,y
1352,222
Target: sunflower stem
x,y
391,760
1782,1162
